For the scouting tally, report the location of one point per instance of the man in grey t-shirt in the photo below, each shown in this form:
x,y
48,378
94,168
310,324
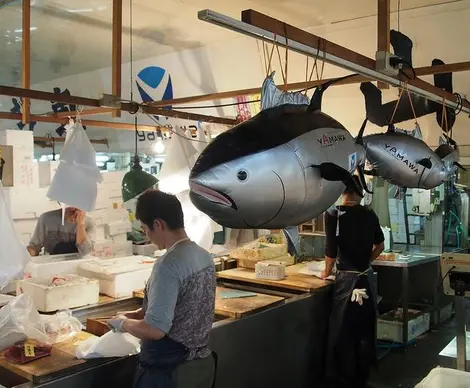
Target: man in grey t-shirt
x,y
74,236
178,310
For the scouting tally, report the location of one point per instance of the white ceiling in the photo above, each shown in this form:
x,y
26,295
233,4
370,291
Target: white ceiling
x,y
74,36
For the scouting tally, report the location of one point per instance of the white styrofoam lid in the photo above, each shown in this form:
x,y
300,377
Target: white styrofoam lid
x,y
58,281
106,268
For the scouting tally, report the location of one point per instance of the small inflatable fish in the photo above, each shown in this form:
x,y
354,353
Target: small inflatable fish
x,y
283,167
408,162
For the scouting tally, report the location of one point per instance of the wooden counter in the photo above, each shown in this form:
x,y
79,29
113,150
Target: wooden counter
x,y
238,307
62,357
293,280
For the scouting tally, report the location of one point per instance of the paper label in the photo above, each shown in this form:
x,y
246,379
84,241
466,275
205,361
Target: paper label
x,y
352,162
29,350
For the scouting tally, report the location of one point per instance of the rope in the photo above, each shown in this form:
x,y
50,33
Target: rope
x,y
396,105
411,103
287,54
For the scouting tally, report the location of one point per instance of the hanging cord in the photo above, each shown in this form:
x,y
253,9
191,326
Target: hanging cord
x,y
444,119
411,104
131,47
396,105
320,76
176,133
398,16
287,55
268,57
262,58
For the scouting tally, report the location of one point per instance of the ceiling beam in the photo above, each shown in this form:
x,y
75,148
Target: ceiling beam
x,y
48,96
26,58
383,31
62,140
91,123
117,53
420,71
271,30
302,41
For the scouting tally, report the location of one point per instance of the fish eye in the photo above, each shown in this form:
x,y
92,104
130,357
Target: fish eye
x,y
242,175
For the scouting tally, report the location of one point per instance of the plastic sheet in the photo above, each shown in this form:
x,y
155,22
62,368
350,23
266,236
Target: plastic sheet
x,y
13,254
112,344
20,320
75,182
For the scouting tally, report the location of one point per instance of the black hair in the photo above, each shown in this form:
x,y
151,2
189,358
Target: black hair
x,y
155,204
350,191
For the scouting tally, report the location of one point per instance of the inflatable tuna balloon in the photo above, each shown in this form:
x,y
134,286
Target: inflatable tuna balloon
x,y
283,167
408,162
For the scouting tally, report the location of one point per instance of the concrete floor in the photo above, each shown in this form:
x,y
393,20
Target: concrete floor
x,y
405,368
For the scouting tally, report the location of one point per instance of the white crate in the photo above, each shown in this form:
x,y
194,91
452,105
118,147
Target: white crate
x,y
117,227
64,292
144,249
119,277
272,270
392,330
53,265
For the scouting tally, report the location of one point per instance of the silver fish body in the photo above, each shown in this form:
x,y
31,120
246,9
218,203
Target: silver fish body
x,y
396,157
246,179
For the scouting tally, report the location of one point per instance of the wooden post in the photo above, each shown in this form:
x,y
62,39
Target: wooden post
x,y
383,31
26,58
117,52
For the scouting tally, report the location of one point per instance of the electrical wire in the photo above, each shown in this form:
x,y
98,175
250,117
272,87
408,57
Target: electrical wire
x,y
131,48
445,276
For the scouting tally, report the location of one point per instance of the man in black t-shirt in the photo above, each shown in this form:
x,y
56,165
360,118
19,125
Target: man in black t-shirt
x,y
353,240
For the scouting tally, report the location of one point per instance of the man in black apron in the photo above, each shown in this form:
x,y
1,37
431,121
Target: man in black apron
x,y
353,234
178,310
74,236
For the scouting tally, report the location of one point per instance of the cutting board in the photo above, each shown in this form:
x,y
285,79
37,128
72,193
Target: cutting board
x,y
62,357
237,307
97,326
292,281
242,307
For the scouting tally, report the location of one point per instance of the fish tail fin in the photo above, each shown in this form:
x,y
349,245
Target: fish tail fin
x,y
361,132
334,173
362,178
316,101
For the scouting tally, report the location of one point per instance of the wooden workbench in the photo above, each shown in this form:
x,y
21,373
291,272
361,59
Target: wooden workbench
x,y
293,280
238,307
62,357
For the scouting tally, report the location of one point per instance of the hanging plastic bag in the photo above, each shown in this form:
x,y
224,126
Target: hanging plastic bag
x,y
112,344
75,181
13,254
20,320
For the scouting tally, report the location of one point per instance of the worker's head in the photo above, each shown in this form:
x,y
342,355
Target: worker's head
x,y
350,195
71,214
160,214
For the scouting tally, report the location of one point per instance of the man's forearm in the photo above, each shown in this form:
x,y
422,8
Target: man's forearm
x,y
378,249
81,235
329,264
142,330
32,251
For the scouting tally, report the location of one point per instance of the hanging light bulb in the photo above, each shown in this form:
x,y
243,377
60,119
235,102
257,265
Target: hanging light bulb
x,y
158,146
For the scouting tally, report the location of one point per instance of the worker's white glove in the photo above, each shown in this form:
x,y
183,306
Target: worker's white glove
x,y
358,294
116,323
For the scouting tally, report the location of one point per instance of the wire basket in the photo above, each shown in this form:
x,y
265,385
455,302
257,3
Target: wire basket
x,y
271,270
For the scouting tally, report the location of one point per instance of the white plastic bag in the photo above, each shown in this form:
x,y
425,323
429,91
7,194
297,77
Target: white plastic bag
x,y
75,182
13,254
19,320
112,344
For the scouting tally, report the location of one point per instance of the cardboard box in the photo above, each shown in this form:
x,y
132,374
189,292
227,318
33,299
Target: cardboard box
x,y
6,165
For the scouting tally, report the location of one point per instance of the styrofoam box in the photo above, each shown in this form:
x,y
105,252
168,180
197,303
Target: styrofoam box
x,y
103,249
393,330
28,203
25,226
122,249
47,171
117,227
120,238
144,249
68,291
17,138
53,265
115,177
25,175
443,377
119,277
103,216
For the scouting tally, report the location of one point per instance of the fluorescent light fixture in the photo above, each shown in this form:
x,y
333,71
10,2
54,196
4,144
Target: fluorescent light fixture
x,y
235,25
30,28
80,10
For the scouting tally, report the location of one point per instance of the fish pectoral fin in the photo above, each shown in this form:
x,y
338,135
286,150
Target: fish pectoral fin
x,y
334,173
426,163
372,172
460,166
362,178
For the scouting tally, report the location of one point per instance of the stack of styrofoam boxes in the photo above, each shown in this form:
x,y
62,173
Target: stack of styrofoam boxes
x,y
397,220
25,172
47,171
25,199
111,219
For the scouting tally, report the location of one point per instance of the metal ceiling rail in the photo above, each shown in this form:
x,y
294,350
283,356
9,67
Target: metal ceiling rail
x,y
367,68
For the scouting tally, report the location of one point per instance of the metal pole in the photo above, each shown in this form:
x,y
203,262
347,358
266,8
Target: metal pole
x,y
461,332
259,33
